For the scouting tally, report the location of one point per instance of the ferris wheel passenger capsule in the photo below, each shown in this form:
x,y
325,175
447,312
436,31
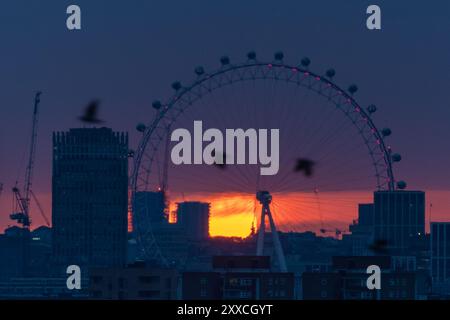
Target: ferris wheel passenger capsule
x,y
372,108
330,73
176,85
251,55
305,62
225,61
386,132
157,104
401,185
199,70
353,88
279,56
396,157
141,127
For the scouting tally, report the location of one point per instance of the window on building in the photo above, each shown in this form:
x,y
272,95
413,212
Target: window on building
x,y
148,279
246,282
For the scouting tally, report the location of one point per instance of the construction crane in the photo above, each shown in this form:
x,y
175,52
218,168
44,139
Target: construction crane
x,y
21,213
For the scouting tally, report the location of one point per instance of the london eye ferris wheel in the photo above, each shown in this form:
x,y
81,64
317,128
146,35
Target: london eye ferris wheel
x,y
317,120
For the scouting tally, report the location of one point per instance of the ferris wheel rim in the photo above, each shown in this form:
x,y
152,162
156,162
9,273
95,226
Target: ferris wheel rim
x,y
181,92
227,68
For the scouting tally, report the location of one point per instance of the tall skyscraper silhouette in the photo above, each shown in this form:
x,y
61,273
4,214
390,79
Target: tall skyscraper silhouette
x,y
399,218
90,183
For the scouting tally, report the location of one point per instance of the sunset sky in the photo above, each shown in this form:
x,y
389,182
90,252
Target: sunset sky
x,y
239,222
128,55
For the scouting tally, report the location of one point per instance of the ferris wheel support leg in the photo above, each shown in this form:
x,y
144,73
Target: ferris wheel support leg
x,y
261,231
277,244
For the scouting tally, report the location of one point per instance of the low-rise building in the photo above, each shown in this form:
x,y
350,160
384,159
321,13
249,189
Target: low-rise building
x,y
348,281
134,282
238,277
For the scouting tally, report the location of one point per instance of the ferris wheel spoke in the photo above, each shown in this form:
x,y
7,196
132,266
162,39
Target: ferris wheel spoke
x,y
204,183
312,134
317,120
327,137
330,156
305,218
302,213
322,187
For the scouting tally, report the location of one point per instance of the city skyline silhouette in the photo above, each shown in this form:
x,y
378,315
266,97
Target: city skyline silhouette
x,y
109,79
224,150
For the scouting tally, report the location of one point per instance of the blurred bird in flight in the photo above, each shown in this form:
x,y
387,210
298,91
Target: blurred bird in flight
x,y
90,113
306,166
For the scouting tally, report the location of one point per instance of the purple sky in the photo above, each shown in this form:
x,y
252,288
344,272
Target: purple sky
x,y
128,53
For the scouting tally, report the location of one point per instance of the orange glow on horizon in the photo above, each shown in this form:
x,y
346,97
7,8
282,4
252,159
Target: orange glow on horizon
x,y
232,214
338,208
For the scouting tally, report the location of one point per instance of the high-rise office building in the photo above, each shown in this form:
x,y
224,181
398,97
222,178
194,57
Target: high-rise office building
x,y
194,217
399,218
90,197
440,257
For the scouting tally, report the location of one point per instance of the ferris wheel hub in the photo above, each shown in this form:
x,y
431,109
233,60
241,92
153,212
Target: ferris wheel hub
x,y
264,197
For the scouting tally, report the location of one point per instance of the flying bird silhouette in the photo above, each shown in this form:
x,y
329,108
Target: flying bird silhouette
x,y
306,166
90,113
